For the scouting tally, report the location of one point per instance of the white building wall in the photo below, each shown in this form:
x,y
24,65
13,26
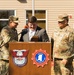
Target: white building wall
x,y
53,8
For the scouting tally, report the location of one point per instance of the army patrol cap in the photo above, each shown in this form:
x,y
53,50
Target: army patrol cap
x,y
62,17
13,19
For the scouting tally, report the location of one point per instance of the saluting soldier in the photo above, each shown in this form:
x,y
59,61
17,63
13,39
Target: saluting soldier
x,y
8,34
63,46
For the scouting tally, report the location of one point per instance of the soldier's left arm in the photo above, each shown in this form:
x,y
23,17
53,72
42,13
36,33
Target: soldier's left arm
x,y
71,42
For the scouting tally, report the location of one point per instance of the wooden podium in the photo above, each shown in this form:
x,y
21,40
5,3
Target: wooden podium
x,y
30,68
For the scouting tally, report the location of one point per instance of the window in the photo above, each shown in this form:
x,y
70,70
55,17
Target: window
x,y
4,15
41,17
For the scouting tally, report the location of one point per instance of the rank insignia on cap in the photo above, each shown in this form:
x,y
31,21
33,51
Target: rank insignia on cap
x,y
40,57
20,57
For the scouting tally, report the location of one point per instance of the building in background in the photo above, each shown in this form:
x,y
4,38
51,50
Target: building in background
x,y
46,11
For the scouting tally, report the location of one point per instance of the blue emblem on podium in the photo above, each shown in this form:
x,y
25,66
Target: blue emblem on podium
x,y
40,57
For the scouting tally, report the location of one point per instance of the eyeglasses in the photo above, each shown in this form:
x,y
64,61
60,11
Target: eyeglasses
x,y
61,22
16,23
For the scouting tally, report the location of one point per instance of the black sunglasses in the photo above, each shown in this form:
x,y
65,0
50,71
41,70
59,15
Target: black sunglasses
x,y
61,21
16,23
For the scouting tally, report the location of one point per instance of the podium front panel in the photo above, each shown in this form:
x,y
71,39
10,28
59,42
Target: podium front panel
x,y
30,68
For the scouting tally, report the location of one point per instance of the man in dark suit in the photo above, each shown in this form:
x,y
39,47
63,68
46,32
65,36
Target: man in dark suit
x,y
33,32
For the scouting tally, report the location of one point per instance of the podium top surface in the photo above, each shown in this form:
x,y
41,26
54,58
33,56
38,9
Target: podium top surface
x,y
28,42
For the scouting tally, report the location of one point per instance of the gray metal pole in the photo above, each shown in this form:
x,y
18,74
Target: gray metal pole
x,y
33,7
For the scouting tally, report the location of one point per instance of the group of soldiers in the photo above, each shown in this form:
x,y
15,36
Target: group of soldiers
x,y
62,43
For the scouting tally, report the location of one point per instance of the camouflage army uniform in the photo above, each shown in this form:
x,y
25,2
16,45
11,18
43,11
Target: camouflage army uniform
x,y
63,49
8,35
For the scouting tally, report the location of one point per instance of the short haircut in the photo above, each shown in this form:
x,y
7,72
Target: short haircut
x,y
32,19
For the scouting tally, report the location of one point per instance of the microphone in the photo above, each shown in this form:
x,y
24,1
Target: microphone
x,y
24,31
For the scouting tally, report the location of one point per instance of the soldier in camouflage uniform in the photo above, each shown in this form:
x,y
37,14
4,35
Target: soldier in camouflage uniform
x,y
63,47
8,34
